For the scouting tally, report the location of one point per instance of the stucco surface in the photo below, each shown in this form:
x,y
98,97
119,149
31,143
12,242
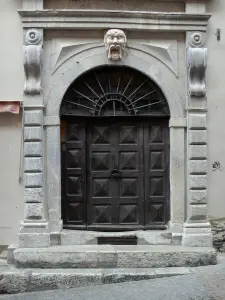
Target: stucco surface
x,y
11,192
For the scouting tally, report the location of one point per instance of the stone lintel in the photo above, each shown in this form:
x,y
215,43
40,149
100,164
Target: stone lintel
x,y
104,19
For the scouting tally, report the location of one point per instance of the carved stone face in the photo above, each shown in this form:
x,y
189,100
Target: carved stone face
x,y
115,42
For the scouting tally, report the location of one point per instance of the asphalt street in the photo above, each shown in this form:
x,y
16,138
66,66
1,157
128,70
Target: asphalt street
x,y
207,283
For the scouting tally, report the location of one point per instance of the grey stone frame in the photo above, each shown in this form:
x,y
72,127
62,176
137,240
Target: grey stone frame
x,y
177,129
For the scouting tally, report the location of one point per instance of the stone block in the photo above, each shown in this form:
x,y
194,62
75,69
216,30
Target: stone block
x,y
34,211
197,137
33,180
33,117
33,164
197,240
197,213
33,240
198,197
34,226
197,121
198,182
10,256
198,166
33,195
89,256
33,149
196,152
33,133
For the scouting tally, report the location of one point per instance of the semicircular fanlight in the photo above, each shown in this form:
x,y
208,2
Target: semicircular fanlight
x,y
114,91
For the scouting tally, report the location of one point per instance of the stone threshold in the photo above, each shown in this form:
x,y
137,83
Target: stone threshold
x,y
148,237
14,280
113,256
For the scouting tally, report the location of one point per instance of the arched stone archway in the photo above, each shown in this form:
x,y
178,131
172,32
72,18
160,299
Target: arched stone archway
x,y
115,152
163,77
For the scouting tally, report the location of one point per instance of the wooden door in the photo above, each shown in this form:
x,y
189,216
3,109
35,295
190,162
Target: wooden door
x,y
115,175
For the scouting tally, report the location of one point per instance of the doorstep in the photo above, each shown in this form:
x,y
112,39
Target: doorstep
x,y
16,280
114,256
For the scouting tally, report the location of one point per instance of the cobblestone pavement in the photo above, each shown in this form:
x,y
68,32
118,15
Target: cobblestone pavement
x,y
206,283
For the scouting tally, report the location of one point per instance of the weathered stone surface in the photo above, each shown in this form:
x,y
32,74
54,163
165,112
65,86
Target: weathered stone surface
x,y
34,240
198,152
33,117
198,181
197,213
198,197
33,180
197,137
34,211
218,230
33,133
198,166
33,195
32,149
33,164
69,237
197,121
95,256
13,280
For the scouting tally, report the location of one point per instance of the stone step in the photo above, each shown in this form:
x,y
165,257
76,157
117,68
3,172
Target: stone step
x,y
118,256
20,280
147,237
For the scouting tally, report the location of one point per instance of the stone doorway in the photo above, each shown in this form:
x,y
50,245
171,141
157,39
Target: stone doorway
x,y
115,152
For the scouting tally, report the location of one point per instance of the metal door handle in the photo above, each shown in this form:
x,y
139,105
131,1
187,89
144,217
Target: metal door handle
x,y
115,173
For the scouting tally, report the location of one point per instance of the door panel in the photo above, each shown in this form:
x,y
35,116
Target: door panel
x,y
115,174
116,167
156,145
74,175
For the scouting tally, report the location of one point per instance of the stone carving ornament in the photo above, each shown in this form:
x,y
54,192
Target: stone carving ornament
x,y
33,40
115,42
197,62
196,39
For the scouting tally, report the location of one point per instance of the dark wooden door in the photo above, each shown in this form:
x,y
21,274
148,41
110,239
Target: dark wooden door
x,y
115,173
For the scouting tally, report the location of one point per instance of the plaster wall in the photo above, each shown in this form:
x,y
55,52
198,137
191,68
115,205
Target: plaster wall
x,y
11,88
216,109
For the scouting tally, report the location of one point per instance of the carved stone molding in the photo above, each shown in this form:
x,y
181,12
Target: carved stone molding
x,y
33,40
196,71
33,37
115,42
196,39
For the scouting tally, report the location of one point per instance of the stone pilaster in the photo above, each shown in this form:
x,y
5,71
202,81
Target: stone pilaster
x,y
197,229
34,230
53,188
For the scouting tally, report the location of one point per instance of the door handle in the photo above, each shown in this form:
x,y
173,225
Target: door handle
x,y
115,173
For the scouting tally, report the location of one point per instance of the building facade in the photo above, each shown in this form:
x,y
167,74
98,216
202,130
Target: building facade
x,y
119,128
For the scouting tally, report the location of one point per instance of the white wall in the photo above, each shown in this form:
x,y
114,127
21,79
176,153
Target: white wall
x,y
216,108
11,88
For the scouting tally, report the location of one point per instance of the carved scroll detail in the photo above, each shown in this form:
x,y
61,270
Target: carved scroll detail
x,y
33,40
196,71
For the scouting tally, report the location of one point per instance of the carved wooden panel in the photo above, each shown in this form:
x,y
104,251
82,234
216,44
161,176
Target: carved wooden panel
x,y
74,174
115,170
156,145
116,174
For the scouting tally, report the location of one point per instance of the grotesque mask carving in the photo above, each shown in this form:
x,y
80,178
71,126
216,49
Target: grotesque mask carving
x,y
115,42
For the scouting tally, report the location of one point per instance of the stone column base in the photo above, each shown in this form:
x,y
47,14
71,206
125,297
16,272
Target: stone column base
x,y
34,235
197,235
